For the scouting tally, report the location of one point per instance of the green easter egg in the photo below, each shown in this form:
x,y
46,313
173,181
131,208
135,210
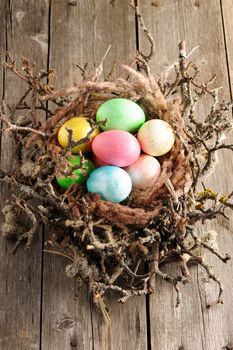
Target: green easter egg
x,y
121,114
78,175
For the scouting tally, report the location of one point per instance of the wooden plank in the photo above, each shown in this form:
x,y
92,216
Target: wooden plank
x,y
2,83
80,34
193,326
2,48
227,10
2,56
127,329
20,289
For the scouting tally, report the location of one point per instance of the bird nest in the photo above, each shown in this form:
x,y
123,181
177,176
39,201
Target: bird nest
x,y
117,247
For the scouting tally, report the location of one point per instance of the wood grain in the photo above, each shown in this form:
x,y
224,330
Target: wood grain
x,y
192,326
227,10
20,288
81,34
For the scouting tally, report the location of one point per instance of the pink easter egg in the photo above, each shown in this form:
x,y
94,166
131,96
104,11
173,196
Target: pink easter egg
x,y
116,147
144,171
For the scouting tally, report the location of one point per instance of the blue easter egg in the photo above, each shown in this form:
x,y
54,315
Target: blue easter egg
x,y
110,182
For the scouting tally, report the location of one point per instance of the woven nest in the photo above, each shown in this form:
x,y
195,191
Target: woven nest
x,y
109,243
143,205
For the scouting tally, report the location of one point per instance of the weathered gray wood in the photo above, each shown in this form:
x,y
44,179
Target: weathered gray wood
x,y
227,10
2,48
127,329
2,241
192,326
81,34
20,287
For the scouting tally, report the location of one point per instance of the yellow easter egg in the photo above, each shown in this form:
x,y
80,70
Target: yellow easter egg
x,y
80,128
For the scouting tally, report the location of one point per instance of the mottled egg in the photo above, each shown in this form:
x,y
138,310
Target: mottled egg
x,y
116,147
144,171
80,128
156,137
78,175
110,182
121,114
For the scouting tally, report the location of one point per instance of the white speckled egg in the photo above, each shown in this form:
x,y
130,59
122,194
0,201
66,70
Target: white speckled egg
x,y
156,137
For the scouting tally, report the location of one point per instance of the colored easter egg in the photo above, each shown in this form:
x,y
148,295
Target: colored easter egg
x,y
156,137
78,175
80,127
111,183
116,147
144,171
121,114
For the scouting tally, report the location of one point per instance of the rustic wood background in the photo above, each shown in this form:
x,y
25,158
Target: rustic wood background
x,y
40,308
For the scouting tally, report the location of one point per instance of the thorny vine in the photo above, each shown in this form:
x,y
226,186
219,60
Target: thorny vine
x,y
107,243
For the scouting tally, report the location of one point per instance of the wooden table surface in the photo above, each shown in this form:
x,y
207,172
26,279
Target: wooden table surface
x,y
40,308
